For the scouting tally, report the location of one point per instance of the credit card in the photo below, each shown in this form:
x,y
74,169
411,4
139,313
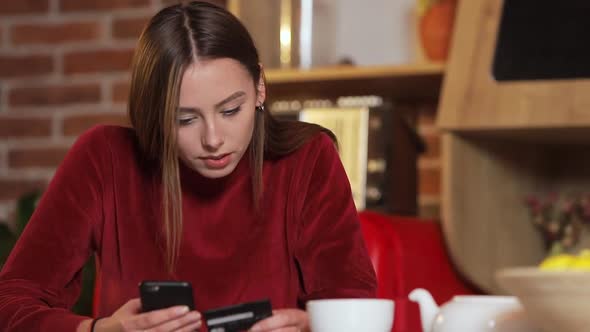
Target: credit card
x,y
237,317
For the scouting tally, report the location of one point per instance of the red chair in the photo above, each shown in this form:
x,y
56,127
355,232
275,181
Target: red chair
x,y
409,253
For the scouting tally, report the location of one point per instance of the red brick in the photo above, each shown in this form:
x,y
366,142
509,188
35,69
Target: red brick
x,y
100,5
25,127
97,61
126,28
52,33
429,181
27,158
14,189
54,95
427,114
430,211
12,7
76,124
120,92
432,146
16,66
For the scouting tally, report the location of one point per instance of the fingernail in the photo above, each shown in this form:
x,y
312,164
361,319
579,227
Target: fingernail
x,y
182,310
255,328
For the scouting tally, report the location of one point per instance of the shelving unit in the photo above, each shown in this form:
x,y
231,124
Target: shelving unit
x,y
407,86
402,82
503,141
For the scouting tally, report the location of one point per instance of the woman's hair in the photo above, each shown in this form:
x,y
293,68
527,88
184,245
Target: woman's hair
x,y
175,38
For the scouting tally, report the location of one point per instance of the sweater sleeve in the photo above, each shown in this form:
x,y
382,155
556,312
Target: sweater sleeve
x,y
41,279
330,249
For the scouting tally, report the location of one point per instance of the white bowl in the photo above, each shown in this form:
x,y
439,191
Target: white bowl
x,y
348,315
554,300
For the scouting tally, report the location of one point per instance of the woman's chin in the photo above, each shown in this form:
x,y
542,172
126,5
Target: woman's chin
x,y
216,173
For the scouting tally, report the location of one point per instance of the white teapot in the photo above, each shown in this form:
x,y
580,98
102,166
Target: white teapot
x,y
472,313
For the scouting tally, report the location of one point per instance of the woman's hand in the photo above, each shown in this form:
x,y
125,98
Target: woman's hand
x,y
130,318
283,320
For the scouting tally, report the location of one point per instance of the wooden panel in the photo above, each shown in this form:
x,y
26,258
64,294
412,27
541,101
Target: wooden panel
x,y
484,219
543,135
472,99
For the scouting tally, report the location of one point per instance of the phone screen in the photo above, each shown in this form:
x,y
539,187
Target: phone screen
x,y
164,294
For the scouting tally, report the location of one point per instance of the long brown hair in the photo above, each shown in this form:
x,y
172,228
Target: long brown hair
x,y
173,39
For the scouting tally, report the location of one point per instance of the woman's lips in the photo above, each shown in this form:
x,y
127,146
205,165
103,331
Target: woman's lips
x,y
217,162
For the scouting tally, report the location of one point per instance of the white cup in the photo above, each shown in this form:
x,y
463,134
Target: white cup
x,y
350,315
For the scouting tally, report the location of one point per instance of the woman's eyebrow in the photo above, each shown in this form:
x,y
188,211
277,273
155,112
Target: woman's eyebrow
x,y
233,96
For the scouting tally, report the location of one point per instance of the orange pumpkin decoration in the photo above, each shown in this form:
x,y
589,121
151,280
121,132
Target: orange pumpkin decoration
x,y
436,27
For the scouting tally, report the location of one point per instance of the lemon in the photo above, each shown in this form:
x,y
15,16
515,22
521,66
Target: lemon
x,y
581,264
559,262
562,262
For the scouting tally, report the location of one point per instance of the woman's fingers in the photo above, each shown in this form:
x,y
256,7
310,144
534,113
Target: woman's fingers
x,y
182,323
290,320
190,328
132,306
288,329
154,318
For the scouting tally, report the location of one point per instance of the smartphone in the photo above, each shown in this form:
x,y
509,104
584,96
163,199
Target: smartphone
x,y
156,295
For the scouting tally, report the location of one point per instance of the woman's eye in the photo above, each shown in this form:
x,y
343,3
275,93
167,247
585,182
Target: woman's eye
x,y
231,112
186,121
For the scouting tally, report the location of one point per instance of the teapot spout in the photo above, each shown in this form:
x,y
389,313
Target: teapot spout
x,y
428,308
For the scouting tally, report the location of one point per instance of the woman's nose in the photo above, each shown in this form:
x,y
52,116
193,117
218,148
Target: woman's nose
x,y
212,137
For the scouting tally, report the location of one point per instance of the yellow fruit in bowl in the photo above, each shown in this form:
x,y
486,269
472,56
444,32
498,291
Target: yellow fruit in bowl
x,y
563,262
560,262
582,263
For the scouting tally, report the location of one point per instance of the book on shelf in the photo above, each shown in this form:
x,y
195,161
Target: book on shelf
x,y
350,126
362,147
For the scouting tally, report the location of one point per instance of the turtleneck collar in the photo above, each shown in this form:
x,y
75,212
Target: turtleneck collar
x,y
193,182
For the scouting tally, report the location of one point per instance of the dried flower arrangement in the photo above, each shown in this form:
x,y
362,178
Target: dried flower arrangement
x,y
562,219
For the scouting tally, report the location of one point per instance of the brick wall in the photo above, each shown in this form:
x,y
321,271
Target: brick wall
x,y
63,68
429,172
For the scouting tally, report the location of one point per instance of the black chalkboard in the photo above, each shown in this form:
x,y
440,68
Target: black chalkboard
x,y
543,39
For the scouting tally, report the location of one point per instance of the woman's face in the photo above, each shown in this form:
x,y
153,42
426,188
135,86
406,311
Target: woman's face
x,y
216,115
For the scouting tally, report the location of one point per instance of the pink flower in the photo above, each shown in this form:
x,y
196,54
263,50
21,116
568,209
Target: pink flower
x,y
531,200
567,206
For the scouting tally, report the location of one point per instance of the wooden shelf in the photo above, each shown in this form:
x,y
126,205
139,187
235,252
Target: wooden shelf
x,y
412,81
354,73
556,135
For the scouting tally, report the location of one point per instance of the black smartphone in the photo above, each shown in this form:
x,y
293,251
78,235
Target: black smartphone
x,y
164,294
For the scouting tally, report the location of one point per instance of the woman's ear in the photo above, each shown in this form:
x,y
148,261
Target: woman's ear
x,y
261,87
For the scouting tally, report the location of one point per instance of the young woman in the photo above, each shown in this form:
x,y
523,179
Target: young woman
x,y
206,187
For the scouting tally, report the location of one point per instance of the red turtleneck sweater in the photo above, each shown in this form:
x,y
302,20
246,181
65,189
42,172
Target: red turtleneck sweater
x,y
306,244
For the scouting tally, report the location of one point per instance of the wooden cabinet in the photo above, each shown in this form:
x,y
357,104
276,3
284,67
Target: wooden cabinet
x,y
503,141
473,100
